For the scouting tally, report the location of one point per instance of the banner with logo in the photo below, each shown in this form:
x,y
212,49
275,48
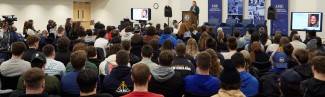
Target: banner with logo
x,y
235,9
215,9
256,10
281,23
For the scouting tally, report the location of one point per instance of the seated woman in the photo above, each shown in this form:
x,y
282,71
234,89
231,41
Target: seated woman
x,y
257,55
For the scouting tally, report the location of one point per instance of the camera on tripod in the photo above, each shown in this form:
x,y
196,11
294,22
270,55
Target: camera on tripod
x,y
9,19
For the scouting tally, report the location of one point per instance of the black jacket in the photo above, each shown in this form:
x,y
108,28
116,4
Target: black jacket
x,y
173,87
304,71
155,56
269,85
134,59
119,81
197,10
313,88
29,53
63,56
183,65
95,61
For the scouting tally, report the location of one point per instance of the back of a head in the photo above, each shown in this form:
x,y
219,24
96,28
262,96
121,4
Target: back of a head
x,y
109,28
203,60
154,43
277,38
283,41
237,33
79,46
302,56
180,49
255,37
166,58
167,45
115,33
140,74
34,78
290,83
91,51
239,60
48,50
87,80
81,33
129,29
78,59
114,49
204,28
230,77
151,31
18,48
232,44
122,58
312,33
211,43
288,49
250,31
63,43
126,44
101,33
32,40
256,47
168,30
318,64
146,51
296,37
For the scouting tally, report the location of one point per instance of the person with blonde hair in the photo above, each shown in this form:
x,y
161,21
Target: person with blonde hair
x,y
192,47
202,41
215,68
221,42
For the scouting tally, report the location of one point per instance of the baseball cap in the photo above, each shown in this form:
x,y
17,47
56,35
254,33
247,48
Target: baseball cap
x,y
290,79
280,60
187,34
38,57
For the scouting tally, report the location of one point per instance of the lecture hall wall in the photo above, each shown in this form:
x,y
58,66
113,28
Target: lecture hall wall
x,y
111,12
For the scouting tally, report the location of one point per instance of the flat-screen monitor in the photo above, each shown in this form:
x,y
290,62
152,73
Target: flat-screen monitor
x,y
307,21
141,14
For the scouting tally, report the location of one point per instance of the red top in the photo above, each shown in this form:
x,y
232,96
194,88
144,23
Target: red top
x,y
142,94
109,36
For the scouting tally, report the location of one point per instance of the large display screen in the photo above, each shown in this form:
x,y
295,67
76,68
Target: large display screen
x,y
141,14
306,21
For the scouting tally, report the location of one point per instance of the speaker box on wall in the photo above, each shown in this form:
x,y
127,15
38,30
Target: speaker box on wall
x,y
272,13
168,11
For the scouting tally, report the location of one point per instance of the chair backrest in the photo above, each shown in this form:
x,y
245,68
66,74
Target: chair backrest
x,y
262,66
245,22
100,54
261,22
230,21
9,82
213,22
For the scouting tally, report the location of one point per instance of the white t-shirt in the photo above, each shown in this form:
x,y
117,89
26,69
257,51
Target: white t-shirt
x,y
30,32
101,43
298,45
54,67
272,48
228,55
175,31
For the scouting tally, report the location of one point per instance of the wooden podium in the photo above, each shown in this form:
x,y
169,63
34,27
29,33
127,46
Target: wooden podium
x,y
189,18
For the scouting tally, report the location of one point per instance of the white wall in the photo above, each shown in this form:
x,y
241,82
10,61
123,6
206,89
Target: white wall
x,y
38,10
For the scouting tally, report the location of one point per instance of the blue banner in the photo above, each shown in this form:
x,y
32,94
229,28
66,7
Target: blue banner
x,y
235,9
256,10
215,9
281,23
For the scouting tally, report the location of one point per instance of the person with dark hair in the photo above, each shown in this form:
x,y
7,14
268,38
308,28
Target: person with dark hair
x,y
91,37
273,47
288,49
254,37
35,81
69,81
202,83
109,30
167,35
290,82
230,81
33,44
314,87
52,84
53,67
109,63
127,46
150,35
119,82
92,55
101,41
319,44
247,36
147,53
81,37
181,63
165,80
68,26
137,39
211,44
303,68
61,33
232,46
265,39
257,55
240,42
141,76
87,82
250,84
155,45
293,32
128,33
309,36
296,43
15,66
63,54
167,45
158,29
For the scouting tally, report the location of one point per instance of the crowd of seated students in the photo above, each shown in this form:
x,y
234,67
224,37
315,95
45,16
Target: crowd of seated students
x,y
150,61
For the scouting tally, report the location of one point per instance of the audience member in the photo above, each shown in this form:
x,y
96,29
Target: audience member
x,y
250,68
141,76
33,43
273,47
52,84
303,68
203,41
296,43
232,46
290,84
250,84
109,63
292,35
181,63
202,83
158,29
215,68
247,36
90,36
137,39
309,36
257,55
127,46
199,32
63,54
68,26
60,32
165,80
81,37
87,82
167,36
254,37
288,50
92,55
128,33
52,67
175,29
265,39
221,41
230,81
43,36
212,44
320,45
109,30
118,82
147,53
150,35
240,41
312,45
167,45
101,41
155,45
192,47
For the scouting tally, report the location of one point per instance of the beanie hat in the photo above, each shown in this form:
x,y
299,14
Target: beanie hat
x,y
311,45
229,75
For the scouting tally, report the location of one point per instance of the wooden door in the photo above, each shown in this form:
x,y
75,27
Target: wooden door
x,y
82,12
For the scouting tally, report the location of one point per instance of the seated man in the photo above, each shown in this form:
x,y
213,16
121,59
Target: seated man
x,y
315,87
35,81
63,54
165,80
92,55
118,82
87,82
127,46
147,53
33,43
290,82
202,84
52,67
182,64
52,84
141,77
249,83
303,68
68,81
